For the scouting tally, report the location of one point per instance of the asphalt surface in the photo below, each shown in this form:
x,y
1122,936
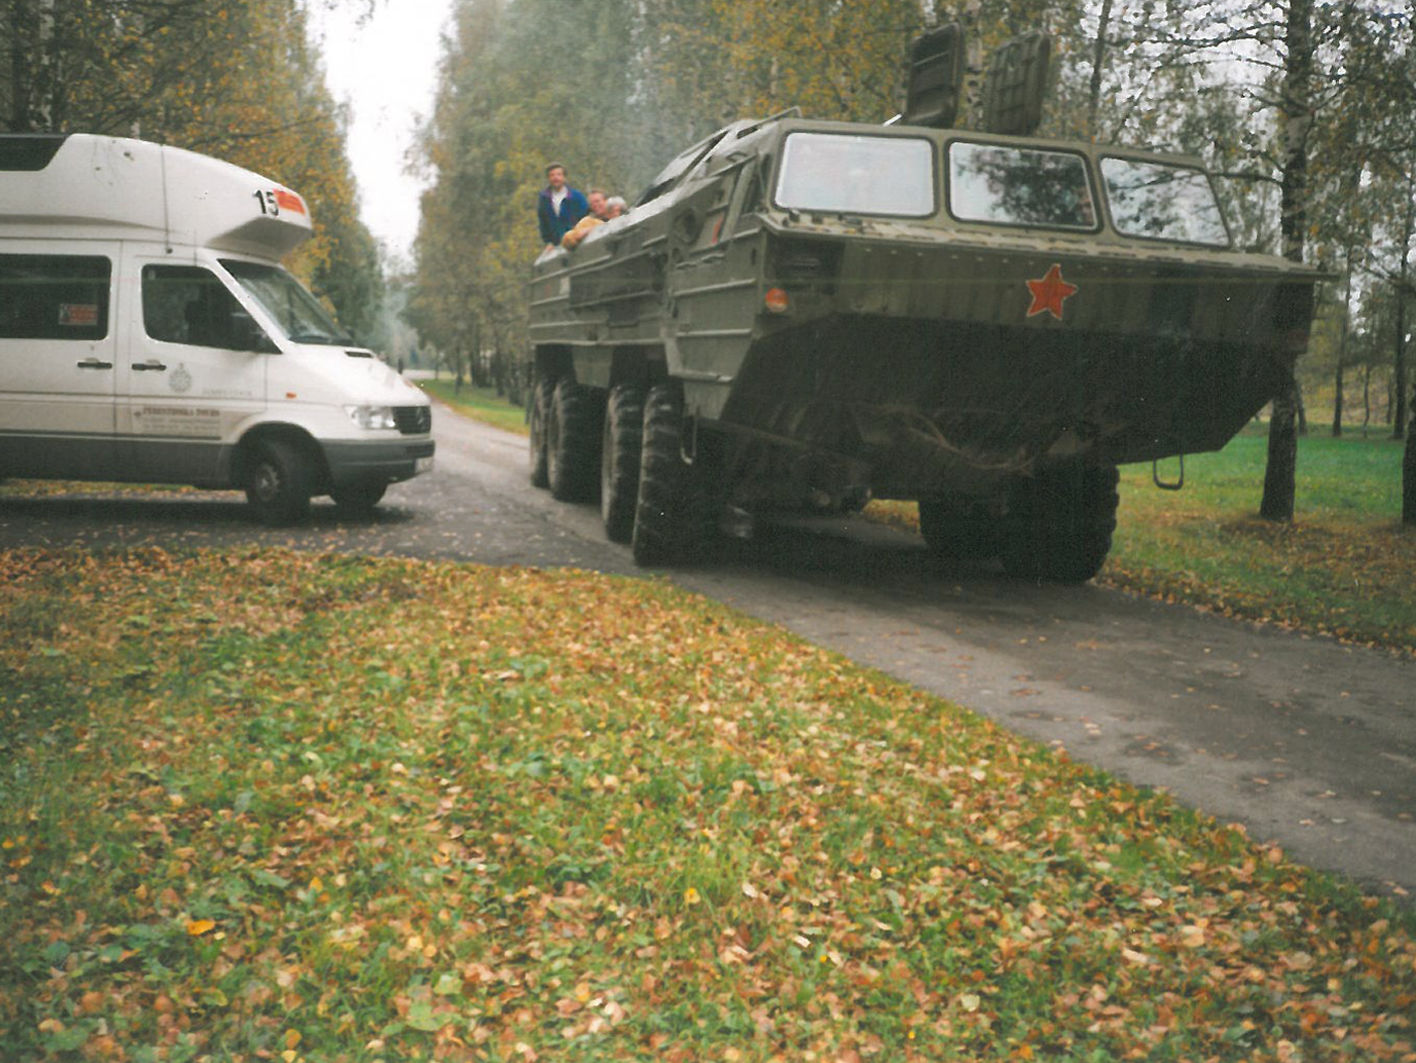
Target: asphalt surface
x,y
1309,743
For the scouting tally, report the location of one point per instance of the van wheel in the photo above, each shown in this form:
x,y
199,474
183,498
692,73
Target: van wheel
x,y
674,518
619,460
573,442
279,482
538,409
359,499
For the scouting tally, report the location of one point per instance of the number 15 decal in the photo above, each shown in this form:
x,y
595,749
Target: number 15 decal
x,y
273,200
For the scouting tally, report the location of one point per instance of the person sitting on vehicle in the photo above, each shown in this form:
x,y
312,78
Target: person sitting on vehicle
x,y
559,207
599,214
614,207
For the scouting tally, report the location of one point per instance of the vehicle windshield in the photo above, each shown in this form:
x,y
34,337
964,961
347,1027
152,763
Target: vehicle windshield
x,y
1019,186
1163,202
297,312
847,174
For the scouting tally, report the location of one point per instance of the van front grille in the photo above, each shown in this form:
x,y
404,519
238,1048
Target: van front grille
x,y
413,420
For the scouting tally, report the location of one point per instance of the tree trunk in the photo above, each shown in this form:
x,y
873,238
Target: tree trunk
x,y
1408,474
1098,61
1280,473
1337,400
1297,119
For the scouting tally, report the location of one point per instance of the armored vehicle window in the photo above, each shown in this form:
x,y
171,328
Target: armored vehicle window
x,y
53,297
296,311
1019,186
1163,202
847,174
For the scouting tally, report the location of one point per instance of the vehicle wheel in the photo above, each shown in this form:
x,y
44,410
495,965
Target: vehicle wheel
x,y
619,460
1060,523
359,499
960,531
673,513
538,409
279,482
573,442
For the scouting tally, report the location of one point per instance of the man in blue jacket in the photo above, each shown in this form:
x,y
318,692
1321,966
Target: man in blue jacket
x,y
559,207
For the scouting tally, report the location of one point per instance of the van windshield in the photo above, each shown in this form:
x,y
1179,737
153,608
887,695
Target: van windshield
x,y
297,312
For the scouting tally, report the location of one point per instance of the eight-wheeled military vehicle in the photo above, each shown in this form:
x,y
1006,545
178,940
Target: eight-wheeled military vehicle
x,y
803,315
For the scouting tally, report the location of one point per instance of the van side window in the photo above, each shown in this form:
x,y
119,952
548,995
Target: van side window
x,y
54,297
188,304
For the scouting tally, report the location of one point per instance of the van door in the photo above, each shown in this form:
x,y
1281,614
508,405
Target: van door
x,y
193,373
57,355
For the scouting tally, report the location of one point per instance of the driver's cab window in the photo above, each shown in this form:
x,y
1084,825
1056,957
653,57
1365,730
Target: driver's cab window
x,y
189,304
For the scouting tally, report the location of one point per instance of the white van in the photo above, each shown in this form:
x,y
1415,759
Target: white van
x,y
149,334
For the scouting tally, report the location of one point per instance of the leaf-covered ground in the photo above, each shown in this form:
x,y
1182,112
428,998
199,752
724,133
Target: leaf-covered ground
x,y
281,806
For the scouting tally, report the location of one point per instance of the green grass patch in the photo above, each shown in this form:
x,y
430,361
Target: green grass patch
x,y
1344,567
277,805
480,404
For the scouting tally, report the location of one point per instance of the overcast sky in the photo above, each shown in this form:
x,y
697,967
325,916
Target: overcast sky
x,y
385,70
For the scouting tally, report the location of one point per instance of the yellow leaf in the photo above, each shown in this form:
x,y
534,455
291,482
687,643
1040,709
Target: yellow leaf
x,y
198,927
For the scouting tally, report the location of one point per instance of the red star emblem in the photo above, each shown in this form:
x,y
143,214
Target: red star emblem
x,y
1048,293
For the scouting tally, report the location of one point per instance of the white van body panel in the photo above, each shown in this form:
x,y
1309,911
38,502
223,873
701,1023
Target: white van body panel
x,y
174,369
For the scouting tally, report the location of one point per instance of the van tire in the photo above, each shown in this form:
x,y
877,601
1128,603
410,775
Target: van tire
x,y
359,499
619,460
279,483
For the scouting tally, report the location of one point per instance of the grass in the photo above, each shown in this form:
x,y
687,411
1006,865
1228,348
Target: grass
x,y
481,404
276,805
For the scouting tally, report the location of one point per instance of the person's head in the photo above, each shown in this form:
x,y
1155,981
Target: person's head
x,y
596,199
555,176
614,206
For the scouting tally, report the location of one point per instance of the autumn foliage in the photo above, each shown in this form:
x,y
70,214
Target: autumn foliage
x,y
287,806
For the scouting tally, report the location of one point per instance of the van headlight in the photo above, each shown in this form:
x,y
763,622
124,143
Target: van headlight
x,y
371,417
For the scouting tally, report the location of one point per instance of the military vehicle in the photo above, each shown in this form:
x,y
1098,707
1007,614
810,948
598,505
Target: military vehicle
x,y
801,315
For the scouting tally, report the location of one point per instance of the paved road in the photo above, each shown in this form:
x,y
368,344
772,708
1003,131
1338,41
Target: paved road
x,y
1309,743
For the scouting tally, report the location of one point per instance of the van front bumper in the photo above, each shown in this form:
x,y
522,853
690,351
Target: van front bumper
x,y
385,462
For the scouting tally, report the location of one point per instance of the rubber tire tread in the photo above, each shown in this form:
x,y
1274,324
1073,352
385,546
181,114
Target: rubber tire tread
x,y
1061,523
573,442
294,477
671,515
537,411
954,532
620,446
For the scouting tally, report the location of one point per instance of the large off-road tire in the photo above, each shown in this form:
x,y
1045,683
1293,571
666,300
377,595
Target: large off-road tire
x,y
359,499
958,530
673,515
620,444
1060,523
280,479
538,409
573,441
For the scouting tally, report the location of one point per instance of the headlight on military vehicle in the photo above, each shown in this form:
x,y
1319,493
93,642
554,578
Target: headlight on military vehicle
x,y
371,417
